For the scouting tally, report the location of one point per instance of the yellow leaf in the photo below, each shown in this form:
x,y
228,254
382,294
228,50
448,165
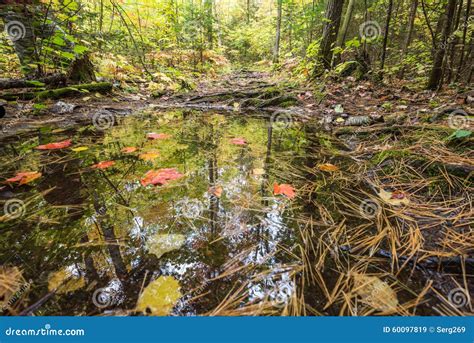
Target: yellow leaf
x,y
65,281
328,167
375,292
160,296
160,244
11,281
394,198
80,148
258,171
149,156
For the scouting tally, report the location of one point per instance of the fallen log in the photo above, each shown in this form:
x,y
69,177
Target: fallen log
x,y
54,80
101,87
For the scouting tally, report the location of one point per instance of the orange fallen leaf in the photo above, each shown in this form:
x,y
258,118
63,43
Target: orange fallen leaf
x,y
24,177
216,191
238,141
155,136
284,189
149,156
103,165
328,167
160,177
54,146
129,150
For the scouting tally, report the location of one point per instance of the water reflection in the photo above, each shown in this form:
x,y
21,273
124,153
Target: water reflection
x,y
102,220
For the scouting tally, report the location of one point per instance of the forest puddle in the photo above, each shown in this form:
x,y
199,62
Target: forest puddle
x,y
191,213
101,233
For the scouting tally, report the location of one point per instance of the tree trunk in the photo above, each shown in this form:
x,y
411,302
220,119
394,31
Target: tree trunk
x,y
408,37
330,31
385,38
81,70
20,30
345,24
435,79
276,51
464,37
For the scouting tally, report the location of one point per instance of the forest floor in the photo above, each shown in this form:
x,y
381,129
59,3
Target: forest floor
x,y
387,178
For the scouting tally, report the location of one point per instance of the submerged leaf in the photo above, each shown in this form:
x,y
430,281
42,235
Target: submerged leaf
x,y
284,189
216,191
129,150
238,141
160,244
160,296
24,177
55,146
103,165
328,167
80,149
158,136
149,156
375,292
160,177
65,281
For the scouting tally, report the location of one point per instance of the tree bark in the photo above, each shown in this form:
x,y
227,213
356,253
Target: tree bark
x,y
385,38
435,79
408,37
330,31
345,24
276,51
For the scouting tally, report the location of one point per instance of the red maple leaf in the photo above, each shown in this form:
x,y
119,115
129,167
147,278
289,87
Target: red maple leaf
x,y
160,177
284,189
54,146
24,177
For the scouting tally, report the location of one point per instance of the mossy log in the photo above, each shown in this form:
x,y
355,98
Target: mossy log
x,y
101,87
53,80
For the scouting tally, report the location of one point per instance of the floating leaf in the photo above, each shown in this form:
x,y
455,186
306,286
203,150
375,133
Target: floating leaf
x,y
328,167
238,141
54,146
160,296
65,281
103,165
396,198
160,177
129,150
149,156
284,189
375,293
216,191
24,177
80,149
160,244
158,136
